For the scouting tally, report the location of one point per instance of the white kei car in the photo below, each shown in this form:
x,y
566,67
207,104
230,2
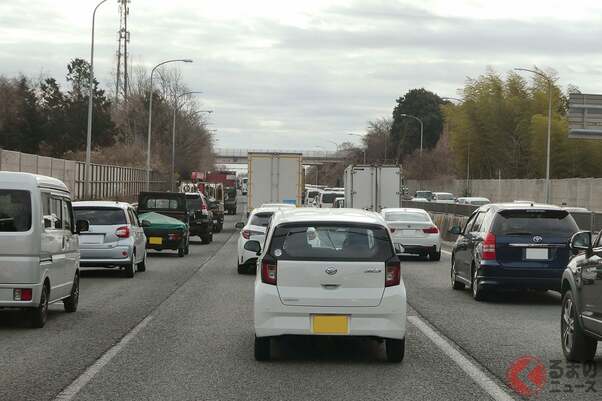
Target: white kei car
x,y
254,229
329,272
413,232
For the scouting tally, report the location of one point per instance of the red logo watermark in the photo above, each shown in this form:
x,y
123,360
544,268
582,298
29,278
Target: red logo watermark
x,y
527,376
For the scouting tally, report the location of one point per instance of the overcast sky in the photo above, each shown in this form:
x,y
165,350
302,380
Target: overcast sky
x,y
296,75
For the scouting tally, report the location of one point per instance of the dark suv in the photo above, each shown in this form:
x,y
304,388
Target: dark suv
x,y
201,218
512,245
581,318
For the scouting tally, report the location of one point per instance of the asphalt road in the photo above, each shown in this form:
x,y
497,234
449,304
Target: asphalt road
x,y
196,341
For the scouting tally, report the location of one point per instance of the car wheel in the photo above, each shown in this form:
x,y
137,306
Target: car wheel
x,y
435,256
70,303
477,293
243,269
142,265
395,349
187,249
205,239
576,345
455,284
130,268
181,252
262,348
39,315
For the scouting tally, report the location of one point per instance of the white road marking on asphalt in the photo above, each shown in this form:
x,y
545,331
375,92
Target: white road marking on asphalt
x,y
446,252
473,371
71,391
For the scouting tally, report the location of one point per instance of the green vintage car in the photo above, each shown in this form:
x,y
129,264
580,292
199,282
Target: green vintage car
x,y
164,232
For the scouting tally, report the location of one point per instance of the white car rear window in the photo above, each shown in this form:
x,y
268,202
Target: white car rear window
x,y
406,216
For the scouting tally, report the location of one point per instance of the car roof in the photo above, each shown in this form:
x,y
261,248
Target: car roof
x,y
31,181
267,209
107,204
279,205
338,215
519,206
446,193
404,209
473,198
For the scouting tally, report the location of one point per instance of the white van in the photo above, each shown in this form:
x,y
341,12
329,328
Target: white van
x,y
39,245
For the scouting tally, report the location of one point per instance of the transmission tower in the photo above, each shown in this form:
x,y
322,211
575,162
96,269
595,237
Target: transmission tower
x,y
121,81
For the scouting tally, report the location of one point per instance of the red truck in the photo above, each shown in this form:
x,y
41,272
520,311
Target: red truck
x,y
228,179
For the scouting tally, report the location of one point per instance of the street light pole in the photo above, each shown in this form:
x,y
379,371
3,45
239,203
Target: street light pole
x,y
173,137
467,190
150,117
88,167
549,81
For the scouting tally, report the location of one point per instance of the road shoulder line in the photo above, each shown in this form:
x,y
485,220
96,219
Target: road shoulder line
x,y
476,373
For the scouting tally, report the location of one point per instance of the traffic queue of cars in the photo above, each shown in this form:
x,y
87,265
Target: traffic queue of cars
x,y
45,238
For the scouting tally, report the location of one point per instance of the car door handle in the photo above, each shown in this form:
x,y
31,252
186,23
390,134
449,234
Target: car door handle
x,y
331,286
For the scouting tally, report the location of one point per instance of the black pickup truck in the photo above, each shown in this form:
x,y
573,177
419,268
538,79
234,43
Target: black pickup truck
x,y
169,218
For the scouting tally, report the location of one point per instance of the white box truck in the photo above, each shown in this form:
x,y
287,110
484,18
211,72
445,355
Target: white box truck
x,y
275,178
373,187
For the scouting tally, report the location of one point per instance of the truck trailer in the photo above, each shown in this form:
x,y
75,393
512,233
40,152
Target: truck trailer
x,y
274,178
373,187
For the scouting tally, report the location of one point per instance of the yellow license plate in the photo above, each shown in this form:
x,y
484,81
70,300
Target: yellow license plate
x,y
155,240
330,324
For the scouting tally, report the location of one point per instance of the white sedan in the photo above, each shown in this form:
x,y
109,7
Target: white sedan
x,y
255,230
413,232
329,272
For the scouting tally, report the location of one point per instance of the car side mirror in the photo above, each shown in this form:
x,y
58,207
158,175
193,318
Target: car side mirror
x,y
82,226
253,246
582,242
240,225
455,230
145,223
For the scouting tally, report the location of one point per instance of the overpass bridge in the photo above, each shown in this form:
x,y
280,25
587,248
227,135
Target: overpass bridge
x,y
310,157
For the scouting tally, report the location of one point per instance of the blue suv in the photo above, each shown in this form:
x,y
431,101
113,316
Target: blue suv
x,y
512,245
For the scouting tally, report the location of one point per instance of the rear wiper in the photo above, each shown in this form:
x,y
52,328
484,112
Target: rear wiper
x,y
519,233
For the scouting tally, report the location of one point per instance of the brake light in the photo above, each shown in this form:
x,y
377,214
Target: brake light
x,y
246,234
203,206
489,247
123,232
431,230
269,272
174,237
393,274
22,294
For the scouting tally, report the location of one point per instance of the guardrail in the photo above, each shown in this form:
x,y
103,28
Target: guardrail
x,y
586,221
107,182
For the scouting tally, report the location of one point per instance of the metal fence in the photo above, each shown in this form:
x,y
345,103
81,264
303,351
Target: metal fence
x,y
585,221
106,182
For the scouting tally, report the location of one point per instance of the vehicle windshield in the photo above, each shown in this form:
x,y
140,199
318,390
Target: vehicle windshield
x,y
15,210
312,194
531,222
261,219
329,197
193,202
161,203
424,194
406,216
479,202
230,193
100,216
340,241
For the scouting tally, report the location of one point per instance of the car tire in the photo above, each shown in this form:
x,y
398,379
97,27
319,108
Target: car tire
x,y
435,256
242,269
187,249
395,349
70,303
39,315
262,348
142,265
205,239
455,284
181,252
576,345
130,268
478,294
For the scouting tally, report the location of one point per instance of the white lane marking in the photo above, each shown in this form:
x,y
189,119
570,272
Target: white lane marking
x,y
473,371
446,252
71,391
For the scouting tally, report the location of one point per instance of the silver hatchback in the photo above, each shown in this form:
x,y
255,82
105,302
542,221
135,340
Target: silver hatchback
x,y
115,238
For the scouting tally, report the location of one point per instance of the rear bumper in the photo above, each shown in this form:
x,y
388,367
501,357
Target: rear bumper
x,y
492,276
6,296
172,245
272,318
110,256
417,245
